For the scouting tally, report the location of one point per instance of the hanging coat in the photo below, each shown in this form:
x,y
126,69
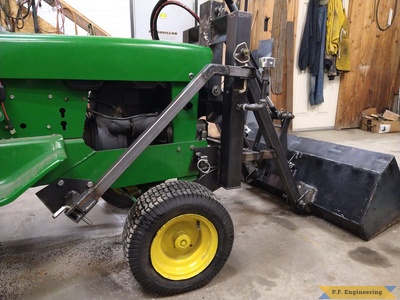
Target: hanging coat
x,y
334,24
343,56
311,40
337,35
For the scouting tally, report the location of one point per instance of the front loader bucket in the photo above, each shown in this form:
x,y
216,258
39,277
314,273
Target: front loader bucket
x,y
356,189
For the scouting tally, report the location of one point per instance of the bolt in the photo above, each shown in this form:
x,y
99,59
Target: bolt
x,y
50,96
178,149
66,99
191,147
215,90
89,184
12,97
191,75
60,182
48,127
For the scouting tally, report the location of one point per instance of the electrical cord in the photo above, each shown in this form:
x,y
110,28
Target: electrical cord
x,y
60,15
60,11
156,11
377,16
122,118
74,19
103,102
5,112
2,99
19,19
8,126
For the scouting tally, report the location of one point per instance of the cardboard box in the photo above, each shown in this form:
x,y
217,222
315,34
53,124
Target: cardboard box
x,y
371,121
391,116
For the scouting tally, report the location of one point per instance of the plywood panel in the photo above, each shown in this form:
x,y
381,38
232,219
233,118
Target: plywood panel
x,y
375,57
262,9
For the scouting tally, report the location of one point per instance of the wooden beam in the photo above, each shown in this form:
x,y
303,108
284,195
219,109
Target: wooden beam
x,y
290,39
78,18
279,24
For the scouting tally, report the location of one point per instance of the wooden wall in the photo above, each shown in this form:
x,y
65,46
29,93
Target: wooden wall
x,y
375,62
262,9
375,57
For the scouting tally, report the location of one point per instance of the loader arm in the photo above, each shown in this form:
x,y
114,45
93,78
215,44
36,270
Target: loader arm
x,y
77,203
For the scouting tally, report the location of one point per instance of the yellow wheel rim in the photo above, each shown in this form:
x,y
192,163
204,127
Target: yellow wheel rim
x,y
184,247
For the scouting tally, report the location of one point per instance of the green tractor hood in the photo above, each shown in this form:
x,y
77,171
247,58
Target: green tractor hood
x,y
98,58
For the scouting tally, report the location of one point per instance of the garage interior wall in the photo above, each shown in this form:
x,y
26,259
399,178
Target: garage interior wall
x,y
375,57
113,17
374,79
375,62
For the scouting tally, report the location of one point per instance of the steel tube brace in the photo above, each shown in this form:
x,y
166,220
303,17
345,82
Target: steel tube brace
x,y
90,196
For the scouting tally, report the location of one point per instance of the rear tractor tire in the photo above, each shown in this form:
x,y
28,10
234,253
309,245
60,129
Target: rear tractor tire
x,y
177,237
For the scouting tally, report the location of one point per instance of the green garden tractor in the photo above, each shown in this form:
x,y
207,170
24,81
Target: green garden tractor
x,y
129,121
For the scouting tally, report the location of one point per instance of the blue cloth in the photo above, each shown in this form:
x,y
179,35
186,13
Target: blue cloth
x,y
316,95
310,42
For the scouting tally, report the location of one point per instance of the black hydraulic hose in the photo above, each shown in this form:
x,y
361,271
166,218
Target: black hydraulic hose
x,y
35,17
158,8
231,5
153,25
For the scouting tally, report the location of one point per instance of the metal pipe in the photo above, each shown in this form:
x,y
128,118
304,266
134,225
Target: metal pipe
x,y
252,107
35,17
231,5
145,139
131,7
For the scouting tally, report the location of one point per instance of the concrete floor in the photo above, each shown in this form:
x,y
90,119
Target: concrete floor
x,y
277,254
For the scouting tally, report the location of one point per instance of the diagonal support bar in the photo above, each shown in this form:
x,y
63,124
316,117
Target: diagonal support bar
x,y
268,132
90,196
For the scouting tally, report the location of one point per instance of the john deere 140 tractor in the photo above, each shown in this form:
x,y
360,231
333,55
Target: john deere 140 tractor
x,y
131,121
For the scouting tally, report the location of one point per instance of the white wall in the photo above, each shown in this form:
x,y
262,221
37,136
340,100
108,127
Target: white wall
x,y
112,16
174,20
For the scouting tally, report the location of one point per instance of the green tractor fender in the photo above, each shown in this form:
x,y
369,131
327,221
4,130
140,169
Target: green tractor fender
x,y
24,161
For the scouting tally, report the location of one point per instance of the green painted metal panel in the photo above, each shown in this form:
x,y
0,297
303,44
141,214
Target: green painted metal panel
x,y
185,122
44,107
39,107
98,58
156,163
39,103
25,160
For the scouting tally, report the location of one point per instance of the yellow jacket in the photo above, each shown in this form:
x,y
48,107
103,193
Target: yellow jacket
x,y
337,35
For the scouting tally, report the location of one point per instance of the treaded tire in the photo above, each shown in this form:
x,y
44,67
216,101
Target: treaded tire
x,y
157,207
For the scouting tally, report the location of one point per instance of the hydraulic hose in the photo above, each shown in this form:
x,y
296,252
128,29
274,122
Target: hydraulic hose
x,y
156,11
231,5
